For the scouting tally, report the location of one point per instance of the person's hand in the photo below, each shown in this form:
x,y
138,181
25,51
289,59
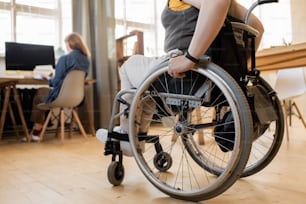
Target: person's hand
x,y
47,76
179,65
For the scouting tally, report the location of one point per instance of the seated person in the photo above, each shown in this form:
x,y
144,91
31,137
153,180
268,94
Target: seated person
x,y
199,25
76,59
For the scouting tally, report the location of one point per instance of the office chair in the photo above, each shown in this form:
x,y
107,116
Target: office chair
x,y
290,83
70,96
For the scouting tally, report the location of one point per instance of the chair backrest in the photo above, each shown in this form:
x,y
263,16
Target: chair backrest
x,y
290,83
72,90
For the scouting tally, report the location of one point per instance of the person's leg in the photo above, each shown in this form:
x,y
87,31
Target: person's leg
x,y
147,111
132,72
38,116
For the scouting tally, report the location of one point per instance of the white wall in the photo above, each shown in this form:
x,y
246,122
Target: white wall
x,y
2,63
276,18
298,8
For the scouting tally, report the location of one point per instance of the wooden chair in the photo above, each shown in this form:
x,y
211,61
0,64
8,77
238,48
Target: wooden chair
x,y
71,95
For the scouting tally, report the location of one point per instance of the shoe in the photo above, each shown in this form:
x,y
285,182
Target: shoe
x,y
102,135
35,138
35,135
24,139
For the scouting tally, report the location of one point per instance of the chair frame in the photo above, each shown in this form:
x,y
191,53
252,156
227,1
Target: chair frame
x,y
295,79
77,78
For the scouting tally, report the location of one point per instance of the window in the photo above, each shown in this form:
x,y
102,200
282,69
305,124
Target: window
x,y
6,27
277,24
145,16
38,22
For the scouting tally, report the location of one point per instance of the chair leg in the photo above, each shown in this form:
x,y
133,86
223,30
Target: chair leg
x,y
299,114
42,133
58,126
62,119
77,119
174,138
201,140
13,120
285,110
71,126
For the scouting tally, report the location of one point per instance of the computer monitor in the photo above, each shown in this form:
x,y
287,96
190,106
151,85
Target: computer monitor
x,y
21,56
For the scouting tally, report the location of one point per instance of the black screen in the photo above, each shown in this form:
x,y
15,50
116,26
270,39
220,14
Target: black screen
x,y
20,56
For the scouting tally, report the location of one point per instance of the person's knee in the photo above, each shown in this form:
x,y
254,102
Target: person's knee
x,y
132,61
40,95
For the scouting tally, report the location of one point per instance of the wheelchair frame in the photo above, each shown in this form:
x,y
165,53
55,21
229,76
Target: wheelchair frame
x,y
175,159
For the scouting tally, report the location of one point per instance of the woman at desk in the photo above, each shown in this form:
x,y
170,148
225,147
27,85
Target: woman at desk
x,y
76,59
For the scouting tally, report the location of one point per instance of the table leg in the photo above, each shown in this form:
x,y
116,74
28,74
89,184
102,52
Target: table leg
x,y
7,92
13,120
89,117
19,107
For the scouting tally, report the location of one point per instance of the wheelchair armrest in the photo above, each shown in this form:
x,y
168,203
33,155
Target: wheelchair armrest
x,y
245,27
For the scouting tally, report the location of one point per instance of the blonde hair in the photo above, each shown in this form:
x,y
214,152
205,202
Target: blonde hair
x,y
76,42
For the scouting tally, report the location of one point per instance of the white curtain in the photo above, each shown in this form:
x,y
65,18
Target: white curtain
x,y
94,20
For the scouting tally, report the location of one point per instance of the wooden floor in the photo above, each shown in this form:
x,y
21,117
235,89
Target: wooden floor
x,y
76,172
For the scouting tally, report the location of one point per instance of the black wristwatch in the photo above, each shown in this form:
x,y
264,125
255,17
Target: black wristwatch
x,y
191,58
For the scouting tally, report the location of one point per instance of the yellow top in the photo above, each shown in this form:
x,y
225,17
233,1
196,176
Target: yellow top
x,y
178,5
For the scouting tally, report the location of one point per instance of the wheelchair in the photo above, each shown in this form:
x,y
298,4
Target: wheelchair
x,y
204,131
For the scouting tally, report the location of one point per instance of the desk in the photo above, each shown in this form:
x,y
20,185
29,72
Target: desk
x,y
284,57
32,81
281,57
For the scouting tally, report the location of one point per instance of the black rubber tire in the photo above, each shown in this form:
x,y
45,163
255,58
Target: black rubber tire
x,y
265,148
228,172
115,173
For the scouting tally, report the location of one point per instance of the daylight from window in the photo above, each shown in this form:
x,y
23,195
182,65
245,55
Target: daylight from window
x,y
37,22
145,16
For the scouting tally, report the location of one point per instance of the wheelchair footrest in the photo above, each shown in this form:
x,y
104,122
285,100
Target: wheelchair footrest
x,y
112,147
119,136
125,137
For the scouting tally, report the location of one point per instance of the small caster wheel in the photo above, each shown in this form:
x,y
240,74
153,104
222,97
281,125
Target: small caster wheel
x,y
162,161
115,173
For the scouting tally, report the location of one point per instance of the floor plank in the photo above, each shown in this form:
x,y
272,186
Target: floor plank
x,y
76,172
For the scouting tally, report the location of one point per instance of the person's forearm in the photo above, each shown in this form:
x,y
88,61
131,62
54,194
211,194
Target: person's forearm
x,y
211,18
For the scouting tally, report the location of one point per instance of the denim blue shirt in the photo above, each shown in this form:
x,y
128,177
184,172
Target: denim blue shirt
x,y
75,60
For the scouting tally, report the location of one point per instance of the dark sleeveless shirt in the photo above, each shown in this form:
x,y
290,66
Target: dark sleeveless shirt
x,y
179,27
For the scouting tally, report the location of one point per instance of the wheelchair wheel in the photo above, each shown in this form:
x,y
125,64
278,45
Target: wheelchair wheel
x,y
266,146
115,173
179,117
